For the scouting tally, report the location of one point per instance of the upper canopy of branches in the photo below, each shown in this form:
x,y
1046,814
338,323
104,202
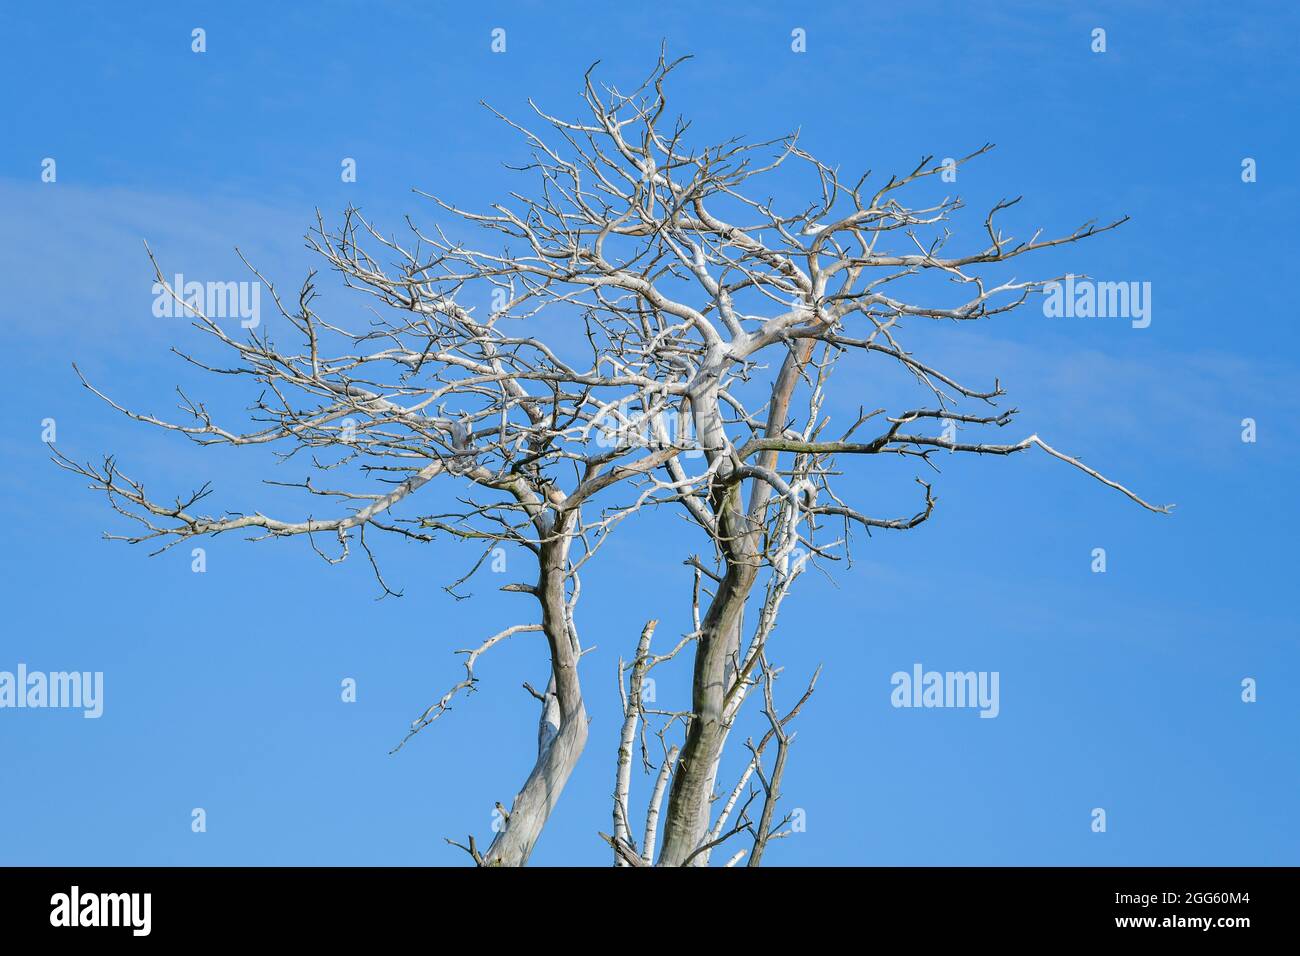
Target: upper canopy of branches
x,y
676,285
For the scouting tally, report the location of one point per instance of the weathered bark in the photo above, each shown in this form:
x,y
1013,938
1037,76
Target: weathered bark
x,y
690,800
631,717
559,747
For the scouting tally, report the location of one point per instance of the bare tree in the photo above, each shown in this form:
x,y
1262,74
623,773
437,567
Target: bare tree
x,y
658,335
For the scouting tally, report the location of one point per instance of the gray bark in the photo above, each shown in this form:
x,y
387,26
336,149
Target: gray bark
x,y
558,751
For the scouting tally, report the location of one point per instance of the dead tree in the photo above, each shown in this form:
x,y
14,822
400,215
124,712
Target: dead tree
x,y
660,334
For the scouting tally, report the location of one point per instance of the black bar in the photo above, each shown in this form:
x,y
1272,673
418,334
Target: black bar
x,y
331,905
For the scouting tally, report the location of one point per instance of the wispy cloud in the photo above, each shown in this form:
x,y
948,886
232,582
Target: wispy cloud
x,y
81,273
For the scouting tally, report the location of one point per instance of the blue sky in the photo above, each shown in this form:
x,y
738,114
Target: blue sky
x,y
1118,690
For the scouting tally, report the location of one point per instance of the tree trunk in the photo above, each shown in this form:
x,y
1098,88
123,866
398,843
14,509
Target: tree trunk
x,y
563,735
690,800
